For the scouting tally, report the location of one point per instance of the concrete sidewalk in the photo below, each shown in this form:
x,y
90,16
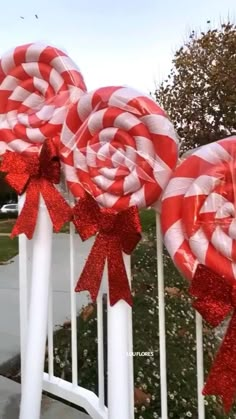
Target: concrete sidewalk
x,y
51,409
60,276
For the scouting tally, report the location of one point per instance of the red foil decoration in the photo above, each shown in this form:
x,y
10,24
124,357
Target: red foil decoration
x,y
215,300
35,175
116,233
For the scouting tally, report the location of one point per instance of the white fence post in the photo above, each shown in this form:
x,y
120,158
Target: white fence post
x,y
119,400
38,310
23,291
127,260
200,366
162,332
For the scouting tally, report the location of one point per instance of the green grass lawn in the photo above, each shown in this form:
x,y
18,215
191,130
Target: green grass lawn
x,y
6,226
8,248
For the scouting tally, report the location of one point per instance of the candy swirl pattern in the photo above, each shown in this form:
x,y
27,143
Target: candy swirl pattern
x,y
37,84
120,146
199,212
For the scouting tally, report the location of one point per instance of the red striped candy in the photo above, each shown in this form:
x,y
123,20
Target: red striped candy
x,y
120,146
199,213
37,84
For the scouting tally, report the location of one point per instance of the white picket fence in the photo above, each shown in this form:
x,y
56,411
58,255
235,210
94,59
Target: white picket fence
x,y
119,342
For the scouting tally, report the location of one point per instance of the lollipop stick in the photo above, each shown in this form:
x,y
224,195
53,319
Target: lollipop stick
x,y
120,381
38,310
23,294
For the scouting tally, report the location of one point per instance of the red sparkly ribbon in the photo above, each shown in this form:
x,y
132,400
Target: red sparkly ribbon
x,y
36,175
215,299
115,233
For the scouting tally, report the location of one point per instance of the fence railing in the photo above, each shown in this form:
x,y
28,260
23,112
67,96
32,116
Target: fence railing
x,y
119,341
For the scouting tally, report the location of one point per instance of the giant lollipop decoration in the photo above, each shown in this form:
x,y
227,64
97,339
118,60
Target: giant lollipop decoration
x,y
37,84
198,211
199,227
120,147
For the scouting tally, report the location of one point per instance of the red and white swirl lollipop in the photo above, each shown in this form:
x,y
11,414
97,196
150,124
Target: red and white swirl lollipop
x,y
199,211
37,83
120,146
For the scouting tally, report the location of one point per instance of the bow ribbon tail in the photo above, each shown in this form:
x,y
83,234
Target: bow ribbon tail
x,y
91,277
27,219
222,378
119,288
59,210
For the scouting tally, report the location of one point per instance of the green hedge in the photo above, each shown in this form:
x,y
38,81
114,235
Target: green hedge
x,y
9,216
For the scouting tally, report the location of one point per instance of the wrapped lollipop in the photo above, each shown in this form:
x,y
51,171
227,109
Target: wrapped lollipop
x,y
37,84
120,146
198,222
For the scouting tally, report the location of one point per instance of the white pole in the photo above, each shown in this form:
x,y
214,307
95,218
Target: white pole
x,y
162,333
38,310
127,260
118,360
74,343
23,291
200,366
100,334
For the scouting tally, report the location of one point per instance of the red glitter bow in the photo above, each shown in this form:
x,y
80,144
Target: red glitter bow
x,y
36,175
215,299
115,233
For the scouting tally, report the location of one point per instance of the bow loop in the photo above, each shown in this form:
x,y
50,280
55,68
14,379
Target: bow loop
x,y
129,224
36,175
49,162
18,169
17,182
108,219
213,295
114,233
86,217
215,299
233,296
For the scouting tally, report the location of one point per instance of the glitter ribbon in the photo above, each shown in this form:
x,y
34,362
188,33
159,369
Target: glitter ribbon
x,y
215,299
116,233
35,175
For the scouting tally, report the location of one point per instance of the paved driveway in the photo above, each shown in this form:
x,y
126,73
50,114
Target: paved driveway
x,y
9,292
50,409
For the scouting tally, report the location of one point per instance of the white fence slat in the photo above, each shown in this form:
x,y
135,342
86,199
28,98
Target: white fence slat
x,y
100,338
127,260
74,346
38,311
50,332
162,333
23,291
77,395
118,360
200,366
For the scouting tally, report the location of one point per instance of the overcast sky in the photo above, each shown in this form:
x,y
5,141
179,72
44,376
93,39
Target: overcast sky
x,y
116,42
